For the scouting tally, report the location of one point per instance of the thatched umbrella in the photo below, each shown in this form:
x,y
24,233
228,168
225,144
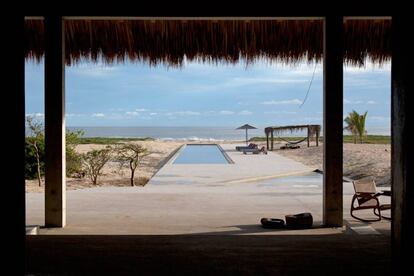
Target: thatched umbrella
x,y
246,127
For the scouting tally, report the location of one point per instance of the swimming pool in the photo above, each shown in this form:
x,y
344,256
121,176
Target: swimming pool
x,y
202,154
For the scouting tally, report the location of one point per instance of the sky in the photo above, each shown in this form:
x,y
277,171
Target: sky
x,y
197,94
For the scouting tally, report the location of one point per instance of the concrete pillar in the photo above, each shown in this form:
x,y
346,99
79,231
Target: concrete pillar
x,y
55,178
13,202
402,228
332,118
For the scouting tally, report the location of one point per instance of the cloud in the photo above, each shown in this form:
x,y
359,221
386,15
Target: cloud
x,y
132,113
379,118
141,109
98,115
313,119
346,101
91,70
153,113
226,112
245,112
37,115
72,115
183,113
280,112
273,102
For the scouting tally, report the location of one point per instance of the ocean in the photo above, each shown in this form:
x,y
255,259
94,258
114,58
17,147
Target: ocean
x,y
171,133
188,133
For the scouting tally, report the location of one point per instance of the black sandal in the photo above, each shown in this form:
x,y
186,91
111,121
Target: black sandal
x,y
272,223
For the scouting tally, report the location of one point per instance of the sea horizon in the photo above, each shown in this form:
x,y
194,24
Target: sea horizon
x,y
189,133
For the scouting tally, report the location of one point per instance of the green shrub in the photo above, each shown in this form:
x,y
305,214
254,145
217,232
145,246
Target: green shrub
x,y
30,171
94,162
73,159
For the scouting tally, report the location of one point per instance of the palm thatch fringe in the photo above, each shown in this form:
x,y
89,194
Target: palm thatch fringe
x,y
172,41
313,129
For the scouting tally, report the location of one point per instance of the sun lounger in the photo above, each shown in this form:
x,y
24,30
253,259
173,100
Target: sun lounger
x,y
250,146
255,150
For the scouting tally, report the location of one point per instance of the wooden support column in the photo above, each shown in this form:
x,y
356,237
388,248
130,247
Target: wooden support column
x,y
332,118
402,212
317,138
272,140
55,178
13,203
267,140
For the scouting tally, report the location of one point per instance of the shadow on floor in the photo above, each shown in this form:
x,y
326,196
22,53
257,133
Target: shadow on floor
x,y
336,254
247,229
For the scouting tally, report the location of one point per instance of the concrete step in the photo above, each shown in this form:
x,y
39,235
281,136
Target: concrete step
x,y
32,229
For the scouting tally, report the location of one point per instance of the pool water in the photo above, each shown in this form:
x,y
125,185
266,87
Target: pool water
x,y
201,154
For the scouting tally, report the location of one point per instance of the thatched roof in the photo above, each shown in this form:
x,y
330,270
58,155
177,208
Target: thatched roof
x,y
170,41
313,129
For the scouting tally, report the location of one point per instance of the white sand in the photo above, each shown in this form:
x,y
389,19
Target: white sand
x,y
359,161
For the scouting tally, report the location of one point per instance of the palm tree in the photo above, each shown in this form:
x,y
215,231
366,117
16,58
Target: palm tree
x,y
351,121
361,126
356,125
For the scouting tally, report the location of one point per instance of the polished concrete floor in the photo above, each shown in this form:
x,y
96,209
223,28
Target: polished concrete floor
x,y
209,228
337,254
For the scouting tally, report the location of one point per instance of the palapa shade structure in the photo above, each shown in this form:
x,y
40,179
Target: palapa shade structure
x,y
312,130
217,41
246,127
362,39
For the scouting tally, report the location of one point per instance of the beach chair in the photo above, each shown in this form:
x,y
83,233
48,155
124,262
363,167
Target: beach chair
x,y
290,146
366,197
255,150
250,146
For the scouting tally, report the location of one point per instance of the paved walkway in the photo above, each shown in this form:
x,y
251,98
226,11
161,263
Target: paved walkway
x,y
203,199
246,167
206,226
233,209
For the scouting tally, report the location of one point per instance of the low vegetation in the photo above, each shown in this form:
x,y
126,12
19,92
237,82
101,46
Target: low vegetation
x,y
130,155
89,164
110,141
94,161
35,151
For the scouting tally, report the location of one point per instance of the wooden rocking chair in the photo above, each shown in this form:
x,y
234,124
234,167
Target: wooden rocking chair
x,y
366,197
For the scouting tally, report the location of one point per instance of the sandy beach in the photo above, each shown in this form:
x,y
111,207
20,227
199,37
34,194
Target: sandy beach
x,y
360,160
